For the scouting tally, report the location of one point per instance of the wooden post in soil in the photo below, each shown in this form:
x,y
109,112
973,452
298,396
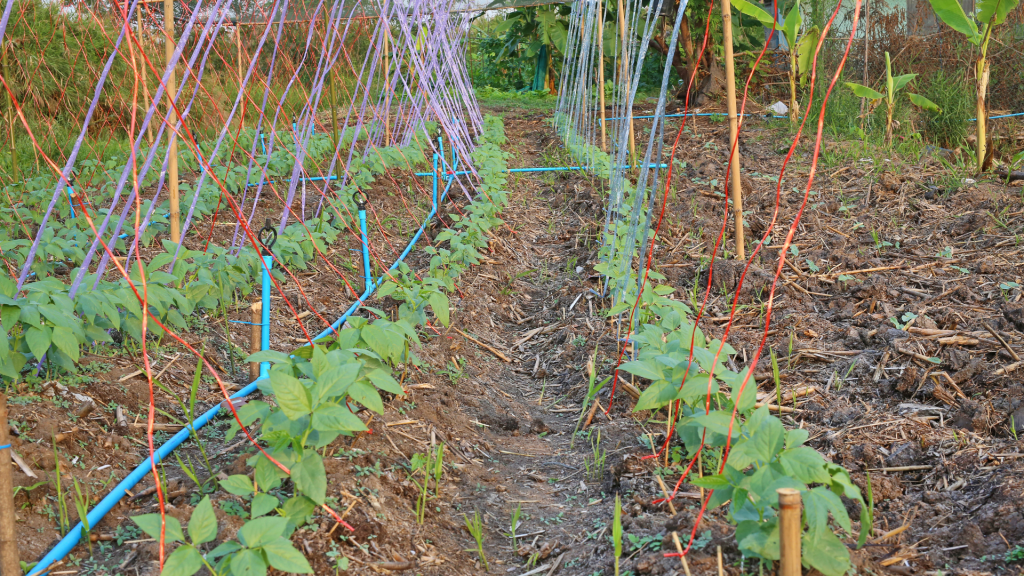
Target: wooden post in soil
x,y
9,557
172,140
255,340
735,190
600,73
10,111
625,78
789,532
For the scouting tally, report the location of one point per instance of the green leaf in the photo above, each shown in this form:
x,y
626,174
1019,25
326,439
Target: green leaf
x,y
766,433
386,382
263,504
714,482
760,539
65,341
239,485
805,52
998,8
818,502
283,556
310,477
256,533
150,524
333,417
185,561
439,304
898,82
864,92
202,526
272,356
825,553
796,437
223,550
791,26
923,102
952,14
291,395
643,369
804,464
38,339
297,509
754,11
367,396
248,563
656,395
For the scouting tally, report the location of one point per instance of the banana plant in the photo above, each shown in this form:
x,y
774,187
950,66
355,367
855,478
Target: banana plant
x,y
892,87
801,48
977,28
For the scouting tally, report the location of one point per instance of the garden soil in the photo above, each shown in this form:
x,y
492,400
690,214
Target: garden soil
x,y
898,327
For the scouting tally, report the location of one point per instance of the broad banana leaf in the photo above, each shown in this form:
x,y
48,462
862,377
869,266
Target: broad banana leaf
x,y
952,13
791,27
805,52
755,11
923,102
998,8
898,82
865,92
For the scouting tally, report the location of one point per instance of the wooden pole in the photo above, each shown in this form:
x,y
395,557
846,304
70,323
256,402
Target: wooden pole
x,y
144,76
625,77
735,191
10,113
789,532
172,140
255,338
600,73
9,557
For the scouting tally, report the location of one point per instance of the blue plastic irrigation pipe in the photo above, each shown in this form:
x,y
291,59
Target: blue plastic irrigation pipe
x,y
365,241
694,114
71,199
268,262
310,179
1000,116
546,169
118,492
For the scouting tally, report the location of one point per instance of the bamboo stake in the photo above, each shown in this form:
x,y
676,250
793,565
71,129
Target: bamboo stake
x,y
600,72
255,340
172,140
625,77
789,532
9,557
144,76
736,192
10,113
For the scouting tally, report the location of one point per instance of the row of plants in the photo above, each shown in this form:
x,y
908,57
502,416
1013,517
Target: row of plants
x,y
712,419
714,422
43,321
310,396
